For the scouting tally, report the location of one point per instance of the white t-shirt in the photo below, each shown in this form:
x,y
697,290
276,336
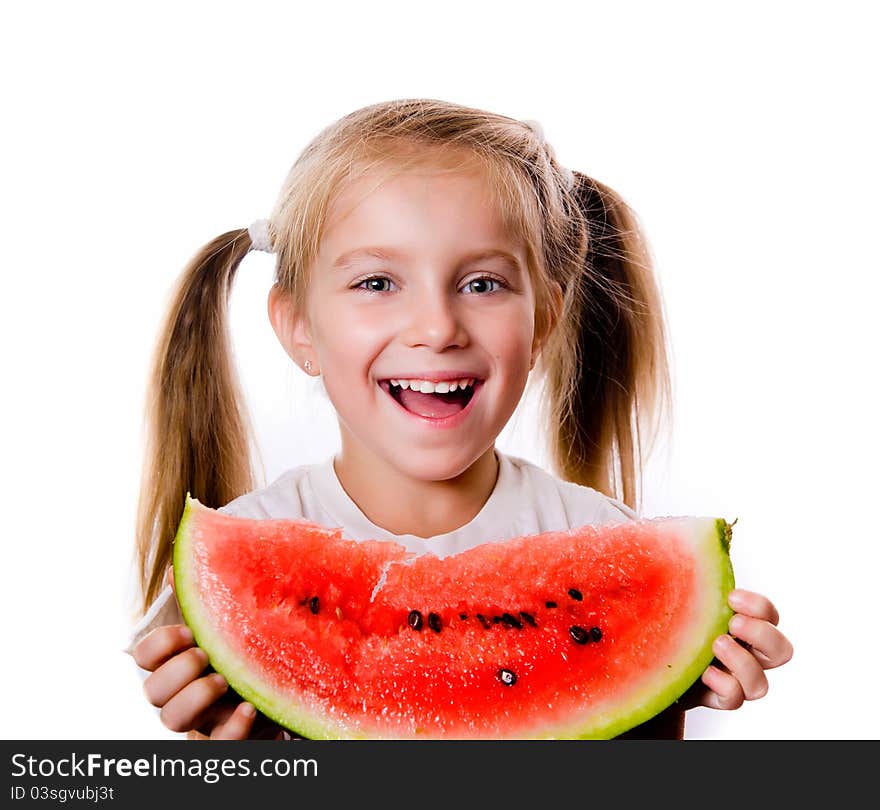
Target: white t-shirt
x,y
526,500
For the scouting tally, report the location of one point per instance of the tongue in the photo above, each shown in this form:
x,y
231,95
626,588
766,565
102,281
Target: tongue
x,y
430,405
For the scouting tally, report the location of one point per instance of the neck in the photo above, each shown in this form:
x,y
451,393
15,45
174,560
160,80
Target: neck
x,y
402,504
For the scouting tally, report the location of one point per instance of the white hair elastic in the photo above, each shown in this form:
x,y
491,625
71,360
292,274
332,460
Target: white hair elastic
x,y
259,234
567,174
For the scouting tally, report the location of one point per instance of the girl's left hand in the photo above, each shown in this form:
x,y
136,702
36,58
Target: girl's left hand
x,y
754,644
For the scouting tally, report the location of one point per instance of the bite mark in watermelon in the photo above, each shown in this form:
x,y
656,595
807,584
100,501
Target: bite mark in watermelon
x,y
576,634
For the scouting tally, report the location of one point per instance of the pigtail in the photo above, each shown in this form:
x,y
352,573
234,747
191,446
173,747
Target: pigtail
x,y
607,378
198,434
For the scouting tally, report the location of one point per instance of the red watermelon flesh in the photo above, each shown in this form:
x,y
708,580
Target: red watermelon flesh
x,y
585,633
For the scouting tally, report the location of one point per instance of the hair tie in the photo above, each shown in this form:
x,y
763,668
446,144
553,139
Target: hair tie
x,y
535,126
566,173
259,234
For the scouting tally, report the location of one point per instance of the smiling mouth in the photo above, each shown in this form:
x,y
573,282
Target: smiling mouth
x,y
431,406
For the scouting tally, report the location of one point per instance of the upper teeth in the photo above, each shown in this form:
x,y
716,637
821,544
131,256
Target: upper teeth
x,y
428,387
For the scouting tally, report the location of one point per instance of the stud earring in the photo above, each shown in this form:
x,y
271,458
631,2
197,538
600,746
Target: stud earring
x,y
308,366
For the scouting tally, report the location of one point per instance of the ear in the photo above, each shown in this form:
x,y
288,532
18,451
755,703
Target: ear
x,y
551,318
292,329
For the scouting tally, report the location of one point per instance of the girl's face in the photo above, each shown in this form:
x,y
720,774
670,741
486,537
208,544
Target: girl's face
x,y
416,282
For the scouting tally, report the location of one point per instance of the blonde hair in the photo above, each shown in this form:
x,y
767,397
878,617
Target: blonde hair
x,y
604,365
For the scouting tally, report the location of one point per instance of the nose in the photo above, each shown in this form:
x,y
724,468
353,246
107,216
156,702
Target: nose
x,y
433,320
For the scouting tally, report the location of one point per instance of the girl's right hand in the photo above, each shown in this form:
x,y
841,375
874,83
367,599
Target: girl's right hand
x,y
187,697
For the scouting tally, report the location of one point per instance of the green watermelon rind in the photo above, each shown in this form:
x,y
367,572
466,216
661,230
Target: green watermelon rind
x,y
714,535
244,681
709,536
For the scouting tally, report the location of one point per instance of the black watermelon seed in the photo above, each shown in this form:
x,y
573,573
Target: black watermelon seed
x,y
462,616
434,622
574,593
496,619
483,620
596,633
529,618
507,677
579,635
314,604
414,620
550,604
511,621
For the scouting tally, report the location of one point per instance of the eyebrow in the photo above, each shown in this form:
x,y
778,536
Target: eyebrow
x,y
351,257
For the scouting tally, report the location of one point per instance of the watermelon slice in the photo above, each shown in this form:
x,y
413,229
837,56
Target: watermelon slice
x,y
577,634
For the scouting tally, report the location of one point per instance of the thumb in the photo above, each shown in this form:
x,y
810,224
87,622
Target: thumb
x,y
169,579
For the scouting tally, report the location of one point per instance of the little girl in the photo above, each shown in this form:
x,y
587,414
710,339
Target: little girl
x,y
429,257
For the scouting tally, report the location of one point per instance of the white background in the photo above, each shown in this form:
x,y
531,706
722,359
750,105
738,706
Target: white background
x,y
743,136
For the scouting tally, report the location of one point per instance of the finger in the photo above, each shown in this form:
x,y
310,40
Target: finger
x,y
724,690
742,665
174,675
753,604
770,647
215,715
180,713
160,644
238,725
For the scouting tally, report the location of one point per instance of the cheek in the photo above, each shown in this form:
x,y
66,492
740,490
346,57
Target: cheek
x,y
510,336
348,327
363,328
347,344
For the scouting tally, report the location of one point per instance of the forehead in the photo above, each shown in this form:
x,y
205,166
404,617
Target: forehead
x,y
453,193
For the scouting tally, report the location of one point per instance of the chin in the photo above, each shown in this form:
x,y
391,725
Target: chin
x,y
436,466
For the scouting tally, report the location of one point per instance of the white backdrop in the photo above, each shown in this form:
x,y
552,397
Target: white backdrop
x,y
745,137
